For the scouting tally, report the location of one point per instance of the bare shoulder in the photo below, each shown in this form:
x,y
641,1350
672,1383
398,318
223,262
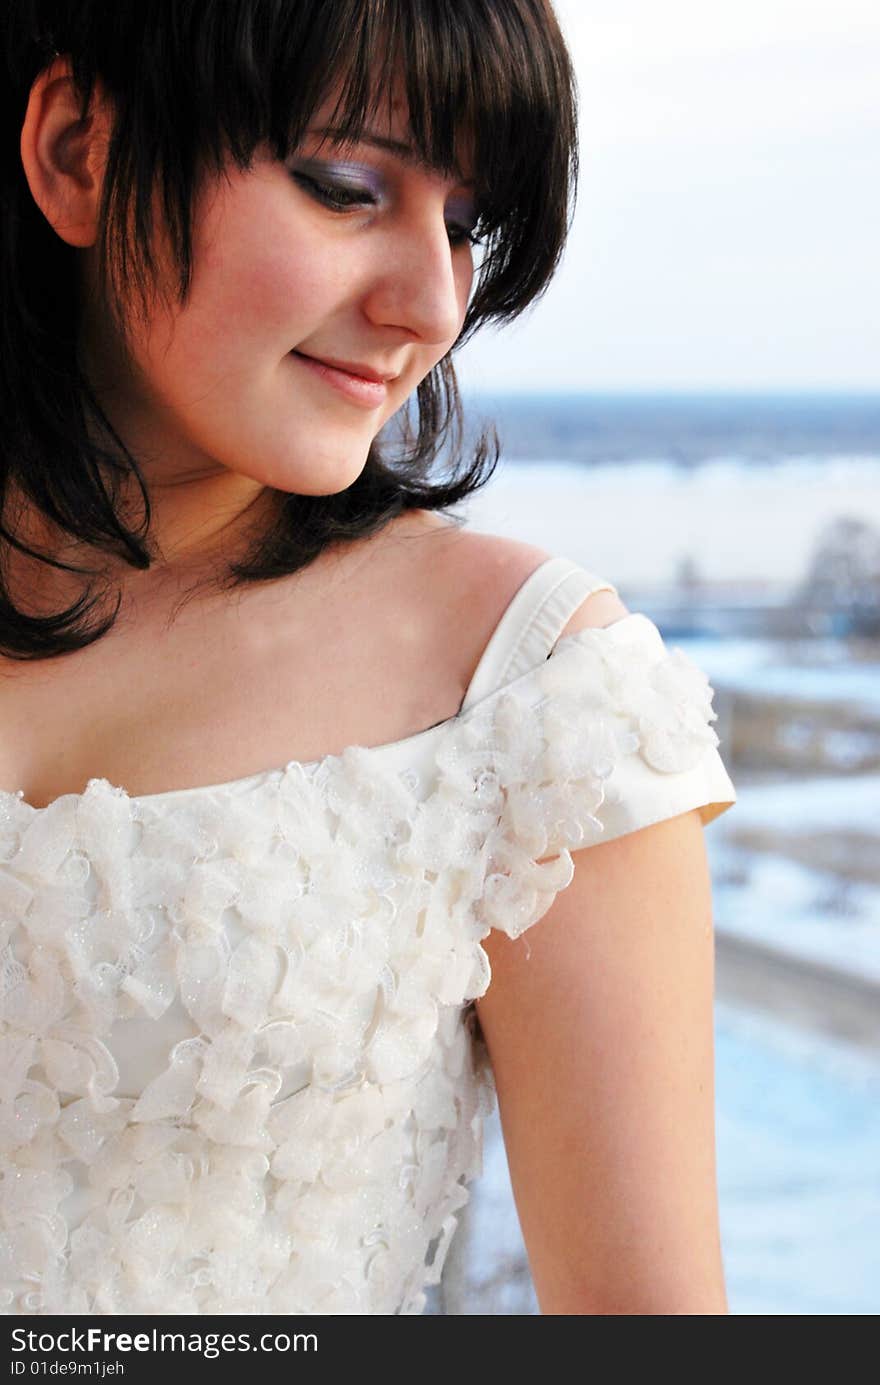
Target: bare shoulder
x,y
487,570
455,583
481,574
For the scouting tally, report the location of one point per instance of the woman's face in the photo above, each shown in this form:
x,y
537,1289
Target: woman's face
x,y
357,256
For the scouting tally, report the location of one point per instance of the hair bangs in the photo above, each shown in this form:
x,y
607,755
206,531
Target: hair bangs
x,y
489,90
216,79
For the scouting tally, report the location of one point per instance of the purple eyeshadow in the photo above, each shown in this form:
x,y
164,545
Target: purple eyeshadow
x,y
347,175
465,210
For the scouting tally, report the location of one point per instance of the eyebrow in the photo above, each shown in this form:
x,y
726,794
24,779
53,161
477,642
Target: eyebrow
x,y
393,146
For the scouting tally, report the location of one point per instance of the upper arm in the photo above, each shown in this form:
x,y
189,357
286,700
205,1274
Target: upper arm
x,y
599,1027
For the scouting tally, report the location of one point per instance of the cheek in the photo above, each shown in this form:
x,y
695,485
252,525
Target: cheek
x,y
258,300
242,318
262,278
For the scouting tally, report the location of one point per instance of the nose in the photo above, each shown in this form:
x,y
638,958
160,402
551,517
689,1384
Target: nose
x,y
419,281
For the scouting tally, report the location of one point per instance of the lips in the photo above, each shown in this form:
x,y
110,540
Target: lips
x,y
355,368
357,389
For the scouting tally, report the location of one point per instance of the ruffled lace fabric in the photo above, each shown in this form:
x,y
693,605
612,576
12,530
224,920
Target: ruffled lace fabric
x,y
299,965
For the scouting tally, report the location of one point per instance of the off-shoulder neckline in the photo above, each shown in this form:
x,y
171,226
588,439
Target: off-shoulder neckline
x,y
308,766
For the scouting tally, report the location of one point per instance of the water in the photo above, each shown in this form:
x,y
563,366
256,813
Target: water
x,y
686,429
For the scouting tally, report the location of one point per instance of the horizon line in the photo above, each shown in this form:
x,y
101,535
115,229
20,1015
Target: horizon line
x,y
698,391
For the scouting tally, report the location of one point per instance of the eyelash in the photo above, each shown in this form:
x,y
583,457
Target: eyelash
x,y
328,195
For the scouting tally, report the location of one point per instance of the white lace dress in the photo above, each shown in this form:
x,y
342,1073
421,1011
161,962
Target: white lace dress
x,y
239,1068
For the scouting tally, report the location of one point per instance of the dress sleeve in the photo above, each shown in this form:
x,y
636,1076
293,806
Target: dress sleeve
x,y
612,733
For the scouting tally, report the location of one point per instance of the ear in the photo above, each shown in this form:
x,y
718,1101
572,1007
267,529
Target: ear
x,y
64,157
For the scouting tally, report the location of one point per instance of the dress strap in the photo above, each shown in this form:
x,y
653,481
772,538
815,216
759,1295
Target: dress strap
x,y
532,623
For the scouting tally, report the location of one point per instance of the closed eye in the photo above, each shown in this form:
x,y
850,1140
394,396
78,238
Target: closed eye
x,y
339,199
343,199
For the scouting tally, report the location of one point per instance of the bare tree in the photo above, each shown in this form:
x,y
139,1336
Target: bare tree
x,y
844,571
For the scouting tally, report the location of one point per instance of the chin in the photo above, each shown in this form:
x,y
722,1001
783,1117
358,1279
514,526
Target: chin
x,y
325,475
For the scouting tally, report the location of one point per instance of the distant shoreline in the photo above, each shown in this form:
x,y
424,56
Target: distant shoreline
x,y
678,426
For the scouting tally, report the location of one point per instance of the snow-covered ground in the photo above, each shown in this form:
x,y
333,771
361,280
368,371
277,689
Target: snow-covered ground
x,y
798,1135
813,670
786,903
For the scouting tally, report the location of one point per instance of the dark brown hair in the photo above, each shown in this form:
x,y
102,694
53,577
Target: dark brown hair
x,y
193,82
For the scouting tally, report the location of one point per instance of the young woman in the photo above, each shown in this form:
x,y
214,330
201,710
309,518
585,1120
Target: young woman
x,y
291,757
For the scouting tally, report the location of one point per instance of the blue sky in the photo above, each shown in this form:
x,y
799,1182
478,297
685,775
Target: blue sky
x,y
727,231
